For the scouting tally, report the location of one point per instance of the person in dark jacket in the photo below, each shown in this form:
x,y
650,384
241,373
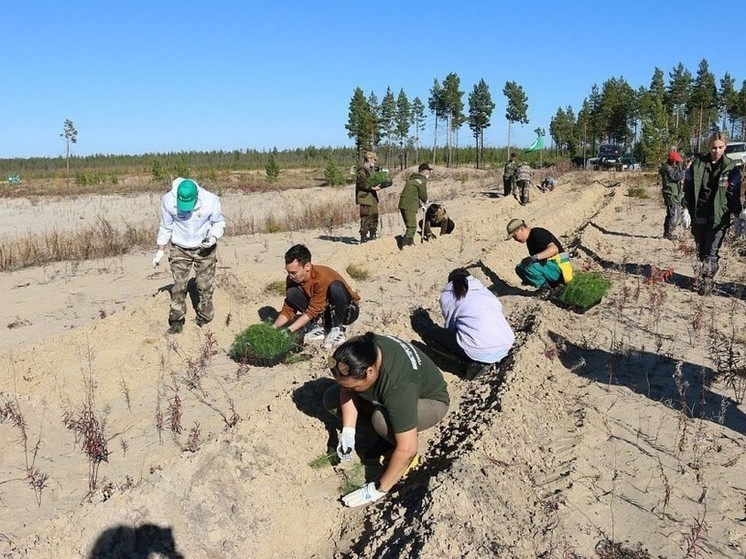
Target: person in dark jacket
x,y
366,196
413,195
672,174
712,192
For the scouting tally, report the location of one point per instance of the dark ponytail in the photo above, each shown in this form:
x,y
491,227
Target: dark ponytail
x,y
459,279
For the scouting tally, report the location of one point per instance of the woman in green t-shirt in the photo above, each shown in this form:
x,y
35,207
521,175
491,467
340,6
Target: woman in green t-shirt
x,y
396,387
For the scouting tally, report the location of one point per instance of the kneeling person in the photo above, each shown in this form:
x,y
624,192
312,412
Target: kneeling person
x,y
542,266
436,216
394,386
313,291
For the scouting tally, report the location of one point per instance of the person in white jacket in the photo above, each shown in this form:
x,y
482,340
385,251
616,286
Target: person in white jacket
x,y
191,219
475,329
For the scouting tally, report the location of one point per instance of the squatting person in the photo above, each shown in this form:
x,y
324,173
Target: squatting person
x,y
393,385
547,264
316,292
475,331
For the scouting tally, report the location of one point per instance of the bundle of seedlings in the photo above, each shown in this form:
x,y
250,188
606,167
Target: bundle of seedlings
x,y
263,345
380,176
585,291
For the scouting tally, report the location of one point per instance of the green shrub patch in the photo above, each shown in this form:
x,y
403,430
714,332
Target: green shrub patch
x,y
262,344
584,291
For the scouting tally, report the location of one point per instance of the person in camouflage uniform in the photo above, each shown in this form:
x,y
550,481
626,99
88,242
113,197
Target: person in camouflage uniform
x,y
192,221
366,197
436,216
509,175
413,195
672,173
523,183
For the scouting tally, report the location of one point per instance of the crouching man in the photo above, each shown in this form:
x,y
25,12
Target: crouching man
x,y
547,264
313,293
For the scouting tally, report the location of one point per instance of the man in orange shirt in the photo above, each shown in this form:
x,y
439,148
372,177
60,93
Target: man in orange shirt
x,y
313,291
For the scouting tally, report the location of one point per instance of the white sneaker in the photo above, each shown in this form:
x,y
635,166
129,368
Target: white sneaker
x,y
314,333
335,337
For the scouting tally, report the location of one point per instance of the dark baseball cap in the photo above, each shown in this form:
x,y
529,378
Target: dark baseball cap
x,y
424,167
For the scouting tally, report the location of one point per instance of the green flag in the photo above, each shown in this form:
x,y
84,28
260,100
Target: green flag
x,y
537,145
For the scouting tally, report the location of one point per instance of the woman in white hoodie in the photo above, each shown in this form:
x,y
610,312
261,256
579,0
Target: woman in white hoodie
x,y
475,328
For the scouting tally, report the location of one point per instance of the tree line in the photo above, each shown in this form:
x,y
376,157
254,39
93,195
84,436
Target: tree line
x,y
395,124
680,111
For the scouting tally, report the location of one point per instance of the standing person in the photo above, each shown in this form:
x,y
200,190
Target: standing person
x,y
312,292
392,385
672,173
523,182
509,176
192,220
475,327
547,264
712,192
366,196
413,195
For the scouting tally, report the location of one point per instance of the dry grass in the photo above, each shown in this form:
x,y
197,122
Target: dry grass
x,y
358,272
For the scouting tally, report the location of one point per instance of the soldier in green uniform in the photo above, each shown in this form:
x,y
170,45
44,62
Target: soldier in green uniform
x,y
509,175
413,195
672,174
366,196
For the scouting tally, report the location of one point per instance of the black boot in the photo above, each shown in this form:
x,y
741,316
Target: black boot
x,y
363,238
373,236
407,241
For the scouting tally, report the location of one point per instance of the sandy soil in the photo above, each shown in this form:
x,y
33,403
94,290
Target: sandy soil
x,y
607,425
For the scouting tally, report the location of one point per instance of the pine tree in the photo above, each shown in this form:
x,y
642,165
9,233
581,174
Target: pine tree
x,y
418,122
437,107
677,98
728,99
388,122
70,135
702,107
403,124
332,175
517,106
453,107
360,121
272,168
480,113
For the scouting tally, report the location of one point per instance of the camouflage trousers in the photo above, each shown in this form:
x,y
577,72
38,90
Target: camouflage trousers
x,y
368,220
181,261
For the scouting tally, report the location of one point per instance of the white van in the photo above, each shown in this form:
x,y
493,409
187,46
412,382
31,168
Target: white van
x,y
736,151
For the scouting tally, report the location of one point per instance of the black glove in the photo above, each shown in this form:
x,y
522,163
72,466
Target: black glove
x,y
528,260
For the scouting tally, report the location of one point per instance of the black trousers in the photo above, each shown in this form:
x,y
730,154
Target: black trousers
x,y
340,309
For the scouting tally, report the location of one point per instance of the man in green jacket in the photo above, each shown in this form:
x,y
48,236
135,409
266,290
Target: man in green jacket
x,y
366,196
712,193
509,175
672,173
413,195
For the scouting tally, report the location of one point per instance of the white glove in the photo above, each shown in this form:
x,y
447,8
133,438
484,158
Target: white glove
x,y
363,496
157,257
686,219
346,444
208,242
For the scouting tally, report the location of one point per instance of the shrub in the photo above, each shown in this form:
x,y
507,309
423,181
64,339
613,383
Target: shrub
x,y
585,290
638,192
277,287
357,272
332,174
262,341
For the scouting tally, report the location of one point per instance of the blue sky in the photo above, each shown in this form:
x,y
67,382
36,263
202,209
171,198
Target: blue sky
x,y
138,77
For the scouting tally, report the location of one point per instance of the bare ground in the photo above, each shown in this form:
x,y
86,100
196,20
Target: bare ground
x,y
606,425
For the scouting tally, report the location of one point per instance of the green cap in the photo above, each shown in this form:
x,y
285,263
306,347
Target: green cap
x,y
186,195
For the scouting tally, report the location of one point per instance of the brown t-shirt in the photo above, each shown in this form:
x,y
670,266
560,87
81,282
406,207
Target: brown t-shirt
x,y
316,288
